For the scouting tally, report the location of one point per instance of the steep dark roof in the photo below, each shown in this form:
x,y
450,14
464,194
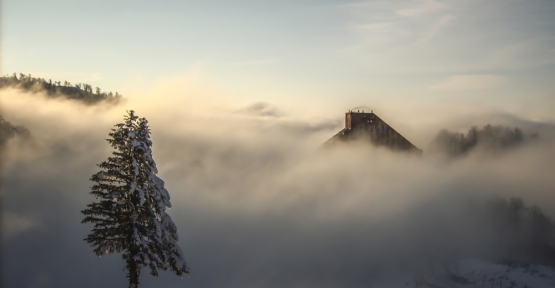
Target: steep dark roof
x,y
364,126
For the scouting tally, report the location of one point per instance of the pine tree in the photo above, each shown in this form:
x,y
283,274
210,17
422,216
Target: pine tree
x,y
130,215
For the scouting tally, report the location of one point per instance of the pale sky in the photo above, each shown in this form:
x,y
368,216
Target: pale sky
x,y
328,55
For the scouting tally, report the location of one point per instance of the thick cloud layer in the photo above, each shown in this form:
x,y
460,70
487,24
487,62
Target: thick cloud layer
x,y
257,201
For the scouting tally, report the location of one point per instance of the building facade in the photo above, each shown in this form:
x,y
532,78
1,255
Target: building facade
x,y
367,126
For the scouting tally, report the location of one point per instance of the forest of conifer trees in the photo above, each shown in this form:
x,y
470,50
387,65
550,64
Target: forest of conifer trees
x,y
81,91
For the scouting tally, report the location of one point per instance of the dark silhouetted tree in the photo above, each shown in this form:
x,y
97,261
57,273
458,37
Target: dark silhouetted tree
x,y
8,131
491,138
130,215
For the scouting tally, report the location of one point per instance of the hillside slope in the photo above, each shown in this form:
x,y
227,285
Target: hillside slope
x,y
80,92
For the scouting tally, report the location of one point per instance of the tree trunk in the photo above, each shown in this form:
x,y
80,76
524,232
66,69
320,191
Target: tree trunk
x,y
133,275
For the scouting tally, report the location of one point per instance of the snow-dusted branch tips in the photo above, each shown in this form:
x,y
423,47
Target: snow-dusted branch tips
x,y
130,215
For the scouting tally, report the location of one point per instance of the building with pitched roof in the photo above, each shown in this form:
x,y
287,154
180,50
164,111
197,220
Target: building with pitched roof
x,y
364,125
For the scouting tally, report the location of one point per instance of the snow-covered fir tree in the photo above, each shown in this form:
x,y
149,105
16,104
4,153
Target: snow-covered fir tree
x,y
130,215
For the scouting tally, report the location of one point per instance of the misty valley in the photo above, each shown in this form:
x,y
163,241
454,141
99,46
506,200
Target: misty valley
x,y
262,199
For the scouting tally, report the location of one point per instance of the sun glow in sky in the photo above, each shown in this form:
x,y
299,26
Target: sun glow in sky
x,y
406,56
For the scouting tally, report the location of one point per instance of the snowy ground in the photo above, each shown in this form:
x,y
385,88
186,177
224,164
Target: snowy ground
x,y
478,273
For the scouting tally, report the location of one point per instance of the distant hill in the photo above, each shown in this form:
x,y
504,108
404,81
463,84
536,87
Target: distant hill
x,y
80,92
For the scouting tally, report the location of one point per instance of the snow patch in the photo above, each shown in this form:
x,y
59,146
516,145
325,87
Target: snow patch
x,y
480,273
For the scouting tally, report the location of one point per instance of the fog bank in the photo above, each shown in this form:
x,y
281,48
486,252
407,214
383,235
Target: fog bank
x,y
257,201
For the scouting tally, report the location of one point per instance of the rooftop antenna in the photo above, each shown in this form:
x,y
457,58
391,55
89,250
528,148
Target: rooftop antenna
x,y
363,109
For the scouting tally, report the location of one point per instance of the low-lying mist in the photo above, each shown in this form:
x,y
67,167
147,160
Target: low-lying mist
x,y
258,202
